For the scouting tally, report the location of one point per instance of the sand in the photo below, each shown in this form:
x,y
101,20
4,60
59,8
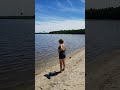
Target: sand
x,y
73,78
104,72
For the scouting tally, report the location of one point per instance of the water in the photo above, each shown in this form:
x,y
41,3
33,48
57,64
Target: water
x,y
46,46
102,36
16,52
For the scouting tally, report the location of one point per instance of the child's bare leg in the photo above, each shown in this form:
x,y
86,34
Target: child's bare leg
x,y
63,64
60,65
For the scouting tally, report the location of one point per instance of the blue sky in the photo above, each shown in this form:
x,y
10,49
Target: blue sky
x,y
52,15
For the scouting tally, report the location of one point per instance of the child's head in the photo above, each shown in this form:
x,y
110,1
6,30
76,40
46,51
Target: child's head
x,y
61,41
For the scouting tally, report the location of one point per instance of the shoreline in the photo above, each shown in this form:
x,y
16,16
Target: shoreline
x,y
73,78
54,62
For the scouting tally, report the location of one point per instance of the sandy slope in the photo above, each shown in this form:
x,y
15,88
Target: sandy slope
x,y
73,78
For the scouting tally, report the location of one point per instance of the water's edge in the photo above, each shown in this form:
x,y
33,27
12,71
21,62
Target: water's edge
x,y
56,62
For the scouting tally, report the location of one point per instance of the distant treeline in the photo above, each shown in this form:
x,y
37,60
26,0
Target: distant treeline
x,y
105,13
79,31
17,17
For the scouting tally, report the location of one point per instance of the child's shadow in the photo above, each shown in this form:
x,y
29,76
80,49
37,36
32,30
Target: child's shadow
x,y
50,74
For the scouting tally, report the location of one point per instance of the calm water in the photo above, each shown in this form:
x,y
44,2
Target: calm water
x,y
102,37
46,46
16,53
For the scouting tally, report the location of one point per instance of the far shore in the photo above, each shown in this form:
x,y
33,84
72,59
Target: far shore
x,y
73,78
77,31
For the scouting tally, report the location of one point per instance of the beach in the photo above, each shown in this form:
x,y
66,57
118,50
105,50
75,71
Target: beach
x,y
46,53
73,78
104,72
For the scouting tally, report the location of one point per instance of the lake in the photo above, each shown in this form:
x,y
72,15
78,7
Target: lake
x,y
17,53
46,48
102,36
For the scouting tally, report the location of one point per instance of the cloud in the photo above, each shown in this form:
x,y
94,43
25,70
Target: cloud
x,y
82,1
73,10
59,25
44,7
47,18
60,15
59,4
69,9
44,14
70,3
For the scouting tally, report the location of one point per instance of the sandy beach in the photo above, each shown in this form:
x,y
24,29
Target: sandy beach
x,y
104,72
73,78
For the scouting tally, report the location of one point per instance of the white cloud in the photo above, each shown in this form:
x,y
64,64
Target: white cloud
x,y
48,18
82,1
75,10
45,21
59,4
70,3
71,8
59,25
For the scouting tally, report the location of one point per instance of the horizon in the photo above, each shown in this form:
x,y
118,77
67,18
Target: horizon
x,y
58,30
59,15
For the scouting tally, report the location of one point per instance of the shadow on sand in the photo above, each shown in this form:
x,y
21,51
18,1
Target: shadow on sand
x,y
48,76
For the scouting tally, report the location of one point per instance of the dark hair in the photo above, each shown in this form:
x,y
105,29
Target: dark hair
x,y
61,41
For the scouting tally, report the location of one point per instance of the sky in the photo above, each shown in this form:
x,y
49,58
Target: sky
x,y
53,15
15,7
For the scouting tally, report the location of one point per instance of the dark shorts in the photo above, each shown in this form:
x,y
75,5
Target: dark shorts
x,y
62,56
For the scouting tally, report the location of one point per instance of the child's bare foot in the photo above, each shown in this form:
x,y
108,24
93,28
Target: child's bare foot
x,y
60,71
63,69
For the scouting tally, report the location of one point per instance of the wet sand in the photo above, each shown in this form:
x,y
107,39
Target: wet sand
x,y
73,78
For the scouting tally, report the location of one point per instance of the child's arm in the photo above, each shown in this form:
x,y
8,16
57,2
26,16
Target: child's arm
x,y
62,47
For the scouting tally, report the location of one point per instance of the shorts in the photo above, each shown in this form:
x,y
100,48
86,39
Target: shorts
x,y
62,56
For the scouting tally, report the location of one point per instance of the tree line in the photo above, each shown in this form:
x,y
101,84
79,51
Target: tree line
x,y
104,13
78,31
